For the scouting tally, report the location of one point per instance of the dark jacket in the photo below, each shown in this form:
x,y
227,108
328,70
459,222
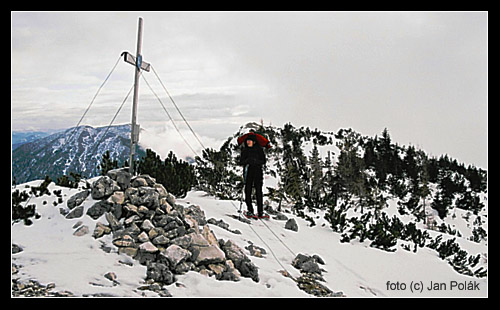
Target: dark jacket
x,y
255,158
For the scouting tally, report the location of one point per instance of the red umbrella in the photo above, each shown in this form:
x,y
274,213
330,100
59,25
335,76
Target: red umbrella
x,y
260,139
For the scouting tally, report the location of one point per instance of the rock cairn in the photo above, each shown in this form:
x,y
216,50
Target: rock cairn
x,y
146,224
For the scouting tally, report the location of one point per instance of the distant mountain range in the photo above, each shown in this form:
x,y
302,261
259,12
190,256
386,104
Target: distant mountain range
x,y
78,149
20,138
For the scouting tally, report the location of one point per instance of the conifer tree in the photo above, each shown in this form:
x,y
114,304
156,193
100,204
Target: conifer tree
x,y
316,177
107,163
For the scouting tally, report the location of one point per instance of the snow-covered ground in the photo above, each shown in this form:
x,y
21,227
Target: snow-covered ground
x,y
52,254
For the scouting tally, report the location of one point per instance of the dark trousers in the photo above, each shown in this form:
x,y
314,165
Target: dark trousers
x,y
254,180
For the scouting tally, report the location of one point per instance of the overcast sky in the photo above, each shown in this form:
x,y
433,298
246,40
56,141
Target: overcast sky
x,y
421,75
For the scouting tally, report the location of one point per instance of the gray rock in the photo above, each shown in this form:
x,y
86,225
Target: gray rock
x,y
196,213
125,241
118,197
183,267
138,182
147,225
16,249
176,255
113,222
150,198
318,259
161,190
188,240
231,273
103,187
81,231
240,260
149,180
204,255
98,209
75,213
291,224
130,251
307,264
77,199
132,195
143,196
160,272
143,237
310,267
111,276
299,260
121,176
100,230
148,247
161,240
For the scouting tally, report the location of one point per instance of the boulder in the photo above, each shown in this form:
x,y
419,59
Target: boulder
x,y
118,197
112,221
160,272
231,273
81,231
125,241
16,249
143,196
138,182
100,230
240,260
161,190
310,267
300,259
148,247
291,224
130,251
77,199
209,236
196,213
176,255
103,187
75,213
149,197
161,240
111,276
143,237
98,209
121,176
147,225
132,195
192,239
203,255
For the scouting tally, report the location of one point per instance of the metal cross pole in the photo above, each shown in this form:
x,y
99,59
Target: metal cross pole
x,y
138,64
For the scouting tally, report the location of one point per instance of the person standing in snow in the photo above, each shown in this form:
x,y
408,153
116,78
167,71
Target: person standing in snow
x,y
253,159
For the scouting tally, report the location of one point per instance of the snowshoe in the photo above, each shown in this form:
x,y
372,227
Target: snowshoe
x,y
249,215
264,216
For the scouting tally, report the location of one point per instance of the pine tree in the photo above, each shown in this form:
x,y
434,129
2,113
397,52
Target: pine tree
x,y
107,163
177,176
293,185
423,190
316,177
350,167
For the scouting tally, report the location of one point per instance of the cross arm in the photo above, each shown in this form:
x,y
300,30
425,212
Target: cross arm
x,y
127,57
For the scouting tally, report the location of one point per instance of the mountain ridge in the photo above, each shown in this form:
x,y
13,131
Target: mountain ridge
x,y
77,149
